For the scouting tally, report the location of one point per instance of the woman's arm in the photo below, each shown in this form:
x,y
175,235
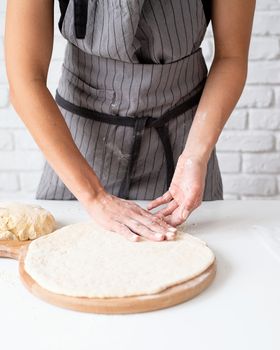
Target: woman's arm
x,y
28,49
232,25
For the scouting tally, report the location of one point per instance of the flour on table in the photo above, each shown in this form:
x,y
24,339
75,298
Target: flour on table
x,y
85,260
22,221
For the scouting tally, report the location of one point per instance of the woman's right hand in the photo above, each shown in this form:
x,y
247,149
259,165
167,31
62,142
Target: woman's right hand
x,y
128,218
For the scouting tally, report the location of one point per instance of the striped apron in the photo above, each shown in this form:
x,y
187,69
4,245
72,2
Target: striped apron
x,y
131,80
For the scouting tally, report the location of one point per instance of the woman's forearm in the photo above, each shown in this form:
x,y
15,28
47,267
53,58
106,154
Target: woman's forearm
x,y
37,108
222,90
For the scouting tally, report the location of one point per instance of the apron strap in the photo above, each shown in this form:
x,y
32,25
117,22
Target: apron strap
x,y
80,17
137,137
207,8
163,133
63,4
139,124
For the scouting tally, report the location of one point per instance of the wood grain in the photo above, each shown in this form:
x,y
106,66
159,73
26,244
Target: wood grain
x,y
12,249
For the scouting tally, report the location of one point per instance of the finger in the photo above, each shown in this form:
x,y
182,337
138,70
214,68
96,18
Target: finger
x,y
165,198
175,218
179,215
169,209
155,224
167,219
192,200
183,212
158,219
122,229
142,230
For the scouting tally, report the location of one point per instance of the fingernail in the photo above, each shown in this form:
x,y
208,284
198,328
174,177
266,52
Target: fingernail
x,y
170,234
172,229
158,235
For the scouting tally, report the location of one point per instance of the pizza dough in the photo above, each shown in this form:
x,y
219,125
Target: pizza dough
x,y
85,260
21,221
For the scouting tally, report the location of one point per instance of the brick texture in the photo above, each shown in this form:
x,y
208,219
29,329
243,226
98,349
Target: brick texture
x,y
248,148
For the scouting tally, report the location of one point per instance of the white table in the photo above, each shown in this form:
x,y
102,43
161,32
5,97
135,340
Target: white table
x,y
240,310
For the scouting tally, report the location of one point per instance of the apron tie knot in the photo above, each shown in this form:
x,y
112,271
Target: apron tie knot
x,y
138,124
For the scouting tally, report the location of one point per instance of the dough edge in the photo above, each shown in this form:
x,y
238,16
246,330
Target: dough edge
x,y
35,250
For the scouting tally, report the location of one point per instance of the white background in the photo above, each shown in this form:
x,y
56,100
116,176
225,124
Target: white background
x,y
240,310
248,148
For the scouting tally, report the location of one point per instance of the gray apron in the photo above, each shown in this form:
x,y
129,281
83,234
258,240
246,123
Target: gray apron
x,y
131,80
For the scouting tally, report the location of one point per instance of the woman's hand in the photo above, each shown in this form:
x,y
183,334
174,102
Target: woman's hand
x,y
127,218
185,192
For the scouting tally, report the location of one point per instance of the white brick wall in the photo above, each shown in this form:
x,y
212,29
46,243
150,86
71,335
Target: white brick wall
x,y
248,148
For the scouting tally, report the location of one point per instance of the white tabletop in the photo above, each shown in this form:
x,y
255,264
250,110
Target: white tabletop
x,y
240,310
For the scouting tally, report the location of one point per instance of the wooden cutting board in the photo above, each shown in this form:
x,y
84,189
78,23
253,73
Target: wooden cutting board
x,y
169,297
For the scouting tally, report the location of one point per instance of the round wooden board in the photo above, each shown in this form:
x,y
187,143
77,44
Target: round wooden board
x,y
170,296
12,249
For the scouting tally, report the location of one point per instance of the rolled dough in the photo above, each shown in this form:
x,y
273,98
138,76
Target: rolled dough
x,y
86,260
22,221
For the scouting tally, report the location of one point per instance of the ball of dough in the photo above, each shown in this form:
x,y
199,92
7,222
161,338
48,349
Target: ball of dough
x,y
21,221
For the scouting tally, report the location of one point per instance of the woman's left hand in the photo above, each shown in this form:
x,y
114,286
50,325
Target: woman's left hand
x,y
185,192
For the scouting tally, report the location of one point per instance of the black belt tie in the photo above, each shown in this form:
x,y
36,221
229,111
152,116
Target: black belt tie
x,y
80,18
139,124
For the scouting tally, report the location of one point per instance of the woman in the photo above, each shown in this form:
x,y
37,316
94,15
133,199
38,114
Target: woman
x,y
136,114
